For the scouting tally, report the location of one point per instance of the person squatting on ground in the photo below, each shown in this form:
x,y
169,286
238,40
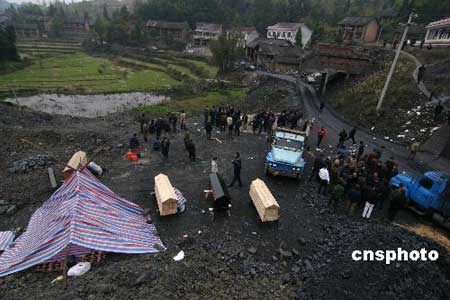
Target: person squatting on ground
x,y
134,145
237,165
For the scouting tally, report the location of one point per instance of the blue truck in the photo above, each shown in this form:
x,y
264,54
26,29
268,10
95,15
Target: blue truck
x,y
427,194
286,154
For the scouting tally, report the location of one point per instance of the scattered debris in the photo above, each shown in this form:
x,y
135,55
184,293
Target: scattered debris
x,y
179,256
79,269
29,164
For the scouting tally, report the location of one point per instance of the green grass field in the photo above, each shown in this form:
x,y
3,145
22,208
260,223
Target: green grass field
x,y
63,68
196,105
81,73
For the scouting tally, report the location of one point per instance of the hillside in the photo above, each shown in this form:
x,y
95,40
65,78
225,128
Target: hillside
x,y
404,117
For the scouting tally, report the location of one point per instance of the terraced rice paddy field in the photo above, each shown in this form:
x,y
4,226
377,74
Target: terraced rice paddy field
x,y
63,67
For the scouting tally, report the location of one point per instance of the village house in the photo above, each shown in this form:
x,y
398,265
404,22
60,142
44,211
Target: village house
x,y
204,32
359,29
27,30
276,54
244,35
289,31
438,33
76,25
32,26
172,30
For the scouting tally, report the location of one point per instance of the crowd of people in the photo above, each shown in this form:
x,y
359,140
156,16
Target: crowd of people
x,y
357,179
354,177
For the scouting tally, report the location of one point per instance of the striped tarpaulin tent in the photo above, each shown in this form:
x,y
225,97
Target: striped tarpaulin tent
x,y
6,238
82,215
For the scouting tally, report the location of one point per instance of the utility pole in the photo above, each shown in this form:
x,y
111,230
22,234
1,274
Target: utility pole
x,y
394,63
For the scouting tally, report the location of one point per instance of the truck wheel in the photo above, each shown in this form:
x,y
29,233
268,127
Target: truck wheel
x,y
266,170
429,214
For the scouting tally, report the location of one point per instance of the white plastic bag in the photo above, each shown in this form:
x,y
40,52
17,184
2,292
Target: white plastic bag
x,y
79,269
179,256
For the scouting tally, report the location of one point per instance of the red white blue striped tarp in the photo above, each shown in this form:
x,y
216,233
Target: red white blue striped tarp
x,y
6,238
85,213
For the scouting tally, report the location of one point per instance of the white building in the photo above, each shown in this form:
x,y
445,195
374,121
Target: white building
x,y
204,32
438,33
289,31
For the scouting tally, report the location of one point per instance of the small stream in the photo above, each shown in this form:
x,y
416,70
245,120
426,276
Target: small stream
x,y
88,106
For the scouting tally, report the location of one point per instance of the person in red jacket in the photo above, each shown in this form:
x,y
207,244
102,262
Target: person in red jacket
x,y
321,134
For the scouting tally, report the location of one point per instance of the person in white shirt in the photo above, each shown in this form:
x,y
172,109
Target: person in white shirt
x,y
324,177
214,166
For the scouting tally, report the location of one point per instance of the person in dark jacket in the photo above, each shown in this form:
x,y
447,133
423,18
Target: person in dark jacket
x,y
351,135
208,129
206,115
371,200
191,150
151,127
134,143
237,127
354,198
237,165
142,121
165,145
342,138
398,199
361,149
318,164
157,145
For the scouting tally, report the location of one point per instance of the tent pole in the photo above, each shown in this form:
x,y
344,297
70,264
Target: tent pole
x,y
65,281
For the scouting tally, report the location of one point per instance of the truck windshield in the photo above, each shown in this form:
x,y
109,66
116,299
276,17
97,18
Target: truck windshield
x,y
289,144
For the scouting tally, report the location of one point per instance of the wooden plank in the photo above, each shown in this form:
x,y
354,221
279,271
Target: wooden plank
x,y
51,175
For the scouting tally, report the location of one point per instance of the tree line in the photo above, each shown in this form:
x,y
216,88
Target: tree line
x,y
8,50
261,13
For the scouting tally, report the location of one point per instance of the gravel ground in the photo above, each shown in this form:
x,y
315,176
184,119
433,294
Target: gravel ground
x,y
305,255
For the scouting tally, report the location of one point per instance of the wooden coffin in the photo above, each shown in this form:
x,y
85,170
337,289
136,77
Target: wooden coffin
x,y
220,194
265,203
78,160
165,195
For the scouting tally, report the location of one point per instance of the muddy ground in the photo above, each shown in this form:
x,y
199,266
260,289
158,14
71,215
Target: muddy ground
x,y
228,257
